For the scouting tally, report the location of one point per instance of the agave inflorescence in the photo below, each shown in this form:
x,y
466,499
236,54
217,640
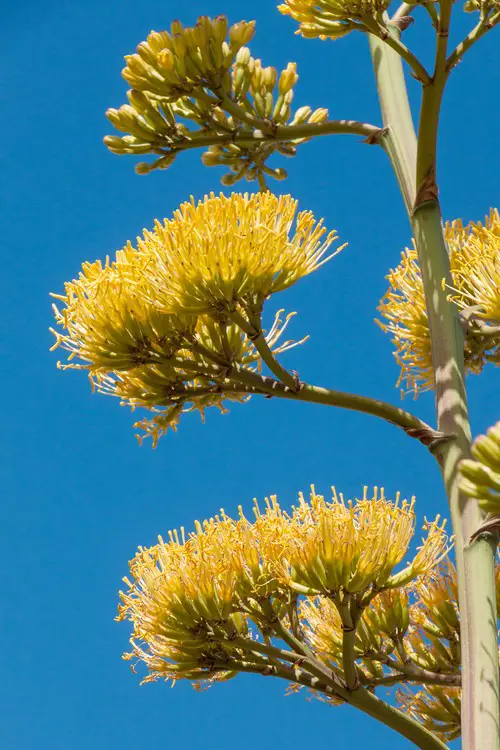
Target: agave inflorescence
x,y
206,605
201,87
174,324
475,290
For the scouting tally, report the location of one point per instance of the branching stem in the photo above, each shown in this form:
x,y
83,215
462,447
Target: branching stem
x,y
475,563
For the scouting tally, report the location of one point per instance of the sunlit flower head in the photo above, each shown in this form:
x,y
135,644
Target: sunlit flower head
x,y
111,324
475,267
181,602
475,271
481,474
326,547
403,307
229,250
170,325
331,19
437,708
192,599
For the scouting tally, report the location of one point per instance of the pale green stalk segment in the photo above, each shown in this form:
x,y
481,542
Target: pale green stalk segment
x,y
399,141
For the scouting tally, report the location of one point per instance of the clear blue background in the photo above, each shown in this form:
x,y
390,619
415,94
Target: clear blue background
x,y
79,493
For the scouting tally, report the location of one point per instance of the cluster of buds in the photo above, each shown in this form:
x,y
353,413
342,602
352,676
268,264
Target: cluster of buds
x,y
219,601
254,90
332,19
176,64
481,475
175,324
196,75
475,290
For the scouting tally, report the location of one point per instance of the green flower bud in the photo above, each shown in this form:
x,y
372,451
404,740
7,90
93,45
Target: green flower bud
x,y
240,34
288,78
301,115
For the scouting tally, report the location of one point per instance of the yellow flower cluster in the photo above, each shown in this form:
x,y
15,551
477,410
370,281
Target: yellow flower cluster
x,y
481,475
196,75
437,708
434,641
433,644
332,19
191,599
382,624
171,65
475,269
172,321
328,546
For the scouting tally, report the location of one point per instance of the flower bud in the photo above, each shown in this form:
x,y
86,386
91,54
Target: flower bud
x,y
288,78
301,115
243,56
240,34
269,77
319,115
219,29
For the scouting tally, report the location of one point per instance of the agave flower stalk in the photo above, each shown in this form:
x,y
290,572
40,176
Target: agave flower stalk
x,y
414,162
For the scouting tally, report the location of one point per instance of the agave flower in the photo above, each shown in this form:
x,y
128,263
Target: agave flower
x,y
192,599
174,324
230,251
475,290
334,548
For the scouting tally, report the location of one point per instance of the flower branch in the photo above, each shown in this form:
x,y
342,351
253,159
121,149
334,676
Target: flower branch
x,y
394,41
488,22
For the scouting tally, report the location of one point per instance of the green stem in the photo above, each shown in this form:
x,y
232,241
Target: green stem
x,y
396,719
475,563
431,10
399,140
200,139
412,425
393,40
477,32
349,659
432,96
416,673
262,182
270,669
258,339
405,9
348,640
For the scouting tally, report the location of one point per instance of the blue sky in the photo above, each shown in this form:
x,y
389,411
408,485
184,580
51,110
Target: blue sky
x,y
79,493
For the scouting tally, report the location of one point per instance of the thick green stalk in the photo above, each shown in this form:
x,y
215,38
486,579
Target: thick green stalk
x,y
369,703
475,563
399,140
